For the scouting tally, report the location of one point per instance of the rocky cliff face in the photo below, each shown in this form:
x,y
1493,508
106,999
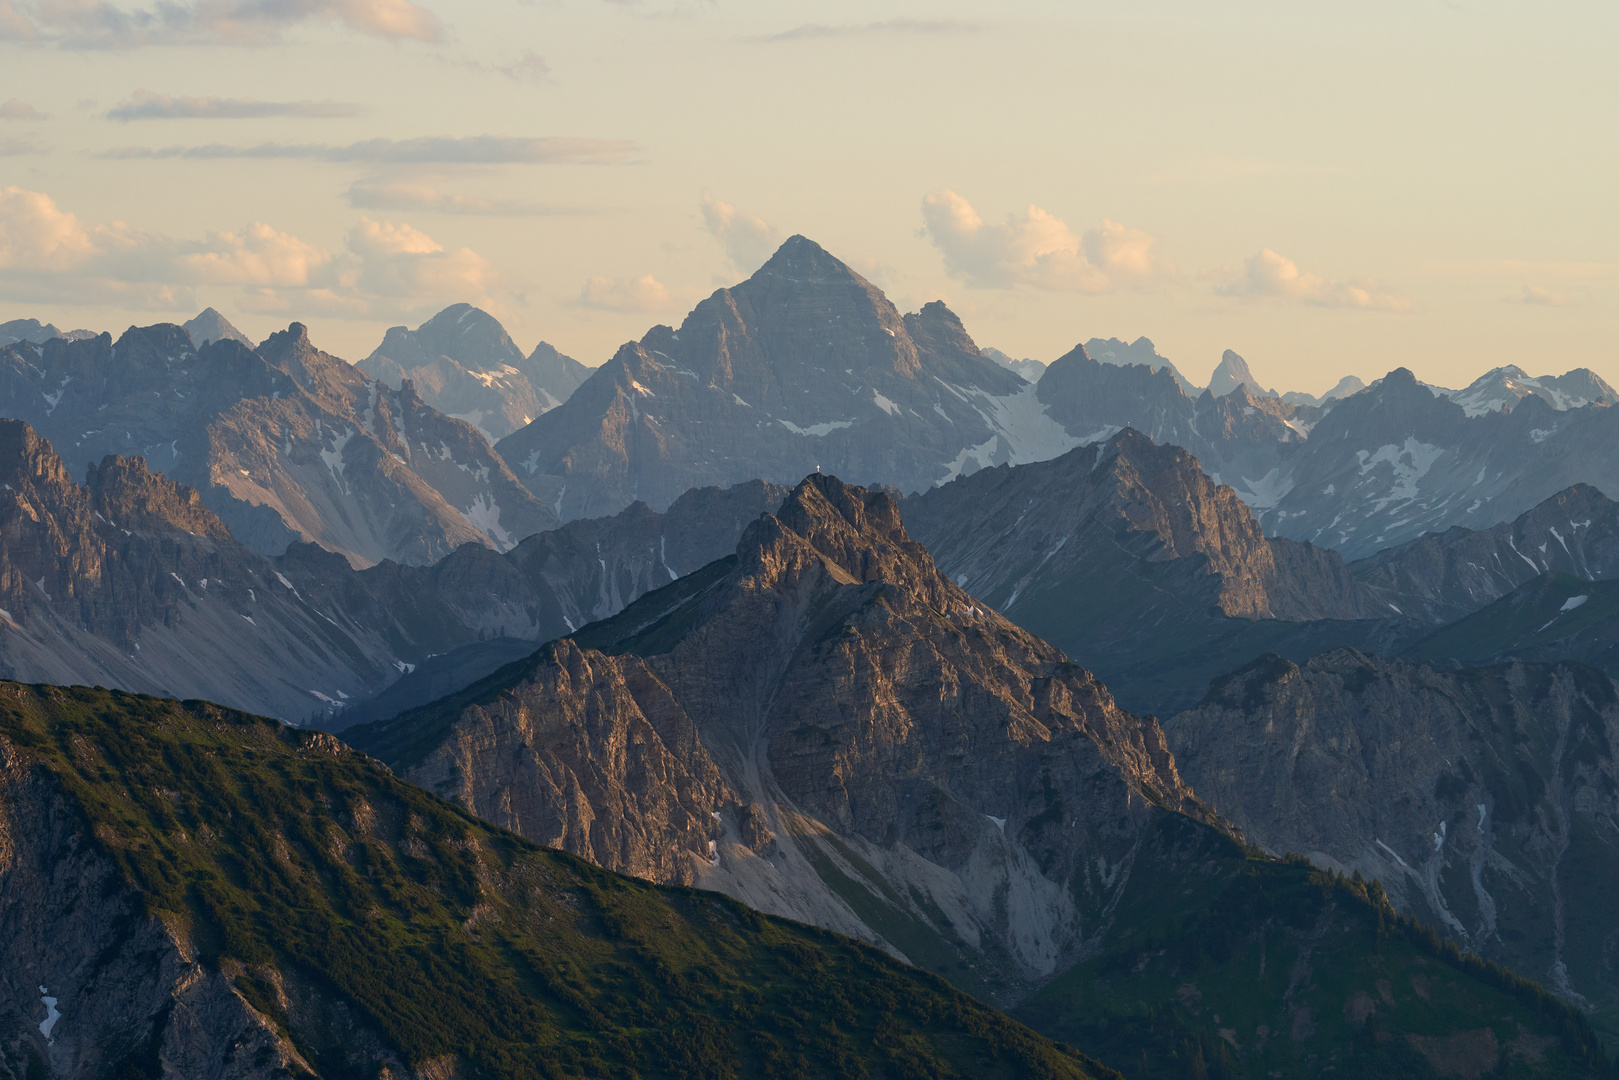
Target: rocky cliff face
x,y
179,892
284,443
464,364
1485,801
805,365
825,727
130,581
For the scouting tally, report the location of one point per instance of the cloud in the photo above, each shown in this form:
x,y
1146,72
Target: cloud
x,y
15,147
645,293
1269,275
915,27
145,105
100,24
386,269
414,196
529,68
1542,296
1038,250
427,150
20,110
748,241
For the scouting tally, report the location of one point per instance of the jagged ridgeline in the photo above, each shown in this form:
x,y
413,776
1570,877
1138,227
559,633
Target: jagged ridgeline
x,y
196,892
826,727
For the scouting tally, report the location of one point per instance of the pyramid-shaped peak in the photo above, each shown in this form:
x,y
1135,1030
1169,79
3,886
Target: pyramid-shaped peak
x,y
801,258
209,325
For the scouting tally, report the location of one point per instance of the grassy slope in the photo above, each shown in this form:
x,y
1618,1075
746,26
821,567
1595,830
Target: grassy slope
x,y
1265,968
277,847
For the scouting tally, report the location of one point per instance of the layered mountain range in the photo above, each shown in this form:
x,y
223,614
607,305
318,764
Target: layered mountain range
x,y
130,581
463,363
823,725
284,442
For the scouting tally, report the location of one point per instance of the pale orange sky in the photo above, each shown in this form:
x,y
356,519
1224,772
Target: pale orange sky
x,y
1327,190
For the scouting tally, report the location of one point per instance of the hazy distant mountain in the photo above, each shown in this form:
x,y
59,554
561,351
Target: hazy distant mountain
x,y
1504,387
1347,385
1031,370
284,442
1140,351
805,365
210,325
36,331
1232,372
462,362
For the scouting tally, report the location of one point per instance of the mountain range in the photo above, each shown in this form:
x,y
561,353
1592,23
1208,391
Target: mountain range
x,y
129,580
824,726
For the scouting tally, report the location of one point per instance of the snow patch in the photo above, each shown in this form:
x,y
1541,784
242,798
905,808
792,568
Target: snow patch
x,y
1481,810
1000,822
1409,463
1267,491
1573,602
816,430
404,668
52,1014
484,515
884,404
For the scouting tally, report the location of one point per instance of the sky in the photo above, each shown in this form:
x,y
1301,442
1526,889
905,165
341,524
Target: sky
x,y
1326,188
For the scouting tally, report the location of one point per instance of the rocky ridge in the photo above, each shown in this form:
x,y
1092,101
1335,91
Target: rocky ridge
x,y
824,727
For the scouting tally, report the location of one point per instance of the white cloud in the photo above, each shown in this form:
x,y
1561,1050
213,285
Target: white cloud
x,y
386,268
19,110
93,24
748,241
645,293
1269,275
145,105
1542,296
1038,250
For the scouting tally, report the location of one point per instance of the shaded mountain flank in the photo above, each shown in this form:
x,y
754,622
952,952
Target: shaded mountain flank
x,y
464,364
1130,559
130,581
1486,801
824,726
284,442
1136,563
193,892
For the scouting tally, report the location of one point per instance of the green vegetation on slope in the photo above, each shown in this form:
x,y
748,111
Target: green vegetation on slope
x,y
285,854
1265,968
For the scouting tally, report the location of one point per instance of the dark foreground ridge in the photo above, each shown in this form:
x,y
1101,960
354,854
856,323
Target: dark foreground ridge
x,y
259,901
